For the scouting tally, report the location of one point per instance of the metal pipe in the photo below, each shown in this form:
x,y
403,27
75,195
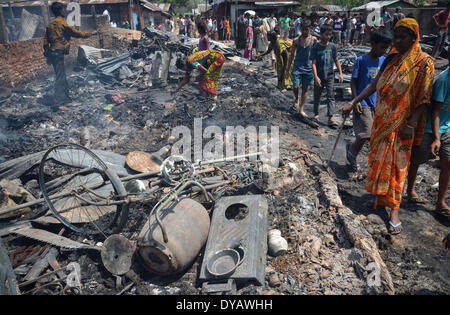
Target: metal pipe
x,y
198,164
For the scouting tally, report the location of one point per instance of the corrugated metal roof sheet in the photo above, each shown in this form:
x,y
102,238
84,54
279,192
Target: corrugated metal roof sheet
x,y
150,6
380,3
329,7
163,6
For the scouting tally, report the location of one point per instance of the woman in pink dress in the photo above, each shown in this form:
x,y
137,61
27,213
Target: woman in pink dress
x,y
248,54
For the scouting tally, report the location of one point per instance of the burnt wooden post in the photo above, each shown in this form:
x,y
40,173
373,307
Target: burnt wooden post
x,y
94,16
10,9
45,13
3,34
131,14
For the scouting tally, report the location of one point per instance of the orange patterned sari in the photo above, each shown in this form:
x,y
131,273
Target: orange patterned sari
x,y
209,81
405,84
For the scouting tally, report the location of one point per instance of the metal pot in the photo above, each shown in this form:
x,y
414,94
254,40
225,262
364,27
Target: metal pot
x,y
187,227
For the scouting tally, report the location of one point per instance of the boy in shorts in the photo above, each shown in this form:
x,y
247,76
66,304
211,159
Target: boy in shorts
x,y
436,140
302,70
364,72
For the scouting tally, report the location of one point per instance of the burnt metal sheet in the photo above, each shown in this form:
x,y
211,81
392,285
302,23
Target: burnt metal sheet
x,y
245,231
142,162
50,238
227,287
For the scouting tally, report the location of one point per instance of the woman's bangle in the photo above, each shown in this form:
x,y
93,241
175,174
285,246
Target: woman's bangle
x,y
409,126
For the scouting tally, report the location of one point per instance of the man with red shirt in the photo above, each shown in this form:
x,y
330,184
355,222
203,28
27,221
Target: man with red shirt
x,y
441,18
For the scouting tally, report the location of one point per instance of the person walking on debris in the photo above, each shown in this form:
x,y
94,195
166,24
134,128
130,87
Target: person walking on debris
x,y
398,15
365,70
436,140
273,22
240,38
263,41
387,19
324,57
189,27
352,29
302,69
358,25
404,86
56,45
248,53
228,29
281,48
442,18
337,31
209,63
346,29
182,25
298,25
285,24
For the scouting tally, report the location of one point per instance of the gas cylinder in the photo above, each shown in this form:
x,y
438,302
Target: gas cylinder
x,y
187,226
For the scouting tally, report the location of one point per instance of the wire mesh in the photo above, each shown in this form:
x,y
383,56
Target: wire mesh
x,y
23,20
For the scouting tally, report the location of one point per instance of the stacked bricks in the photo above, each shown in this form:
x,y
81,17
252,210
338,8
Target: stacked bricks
x,y
26,61
4,68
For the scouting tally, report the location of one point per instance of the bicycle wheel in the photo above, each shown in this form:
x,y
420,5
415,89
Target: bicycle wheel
x,y
76,184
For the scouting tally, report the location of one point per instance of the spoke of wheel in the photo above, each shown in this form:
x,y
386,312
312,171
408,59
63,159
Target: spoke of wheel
x,y
93,223
101,214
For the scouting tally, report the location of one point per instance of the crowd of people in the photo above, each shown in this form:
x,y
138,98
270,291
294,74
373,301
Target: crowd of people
x,y
216,29
398,107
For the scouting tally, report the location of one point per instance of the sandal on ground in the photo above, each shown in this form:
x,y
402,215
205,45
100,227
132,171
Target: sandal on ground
x,y
418,200
314,119
293,110
394,226
444,212
332,124
351,159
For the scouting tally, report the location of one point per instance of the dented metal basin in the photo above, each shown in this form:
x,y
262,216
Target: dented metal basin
x,y
187,226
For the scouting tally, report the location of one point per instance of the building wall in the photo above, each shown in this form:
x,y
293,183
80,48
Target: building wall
x,y
23,61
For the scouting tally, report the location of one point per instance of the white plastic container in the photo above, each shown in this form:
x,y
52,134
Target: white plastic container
x,y
277,245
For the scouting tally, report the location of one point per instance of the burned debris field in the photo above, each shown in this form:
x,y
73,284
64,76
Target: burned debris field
x,y
189,228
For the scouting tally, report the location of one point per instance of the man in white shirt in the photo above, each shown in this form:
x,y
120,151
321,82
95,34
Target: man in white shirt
x,y
272,22
322,20
337,31
353,29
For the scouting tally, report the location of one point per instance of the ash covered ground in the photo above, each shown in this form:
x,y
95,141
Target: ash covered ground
x,y
323,257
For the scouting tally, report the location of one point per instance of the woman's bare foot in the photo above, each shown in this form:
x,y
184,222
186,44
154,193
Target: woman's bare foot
x,y
304,114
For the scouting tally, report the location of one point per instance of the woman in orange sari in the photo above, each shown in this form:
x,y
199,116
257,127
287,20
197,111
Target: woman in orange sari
x,y
404,86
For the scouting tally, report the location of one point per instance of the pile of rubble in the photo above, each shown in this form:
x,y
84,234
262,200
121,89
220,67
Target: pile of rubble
x,y
290,235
